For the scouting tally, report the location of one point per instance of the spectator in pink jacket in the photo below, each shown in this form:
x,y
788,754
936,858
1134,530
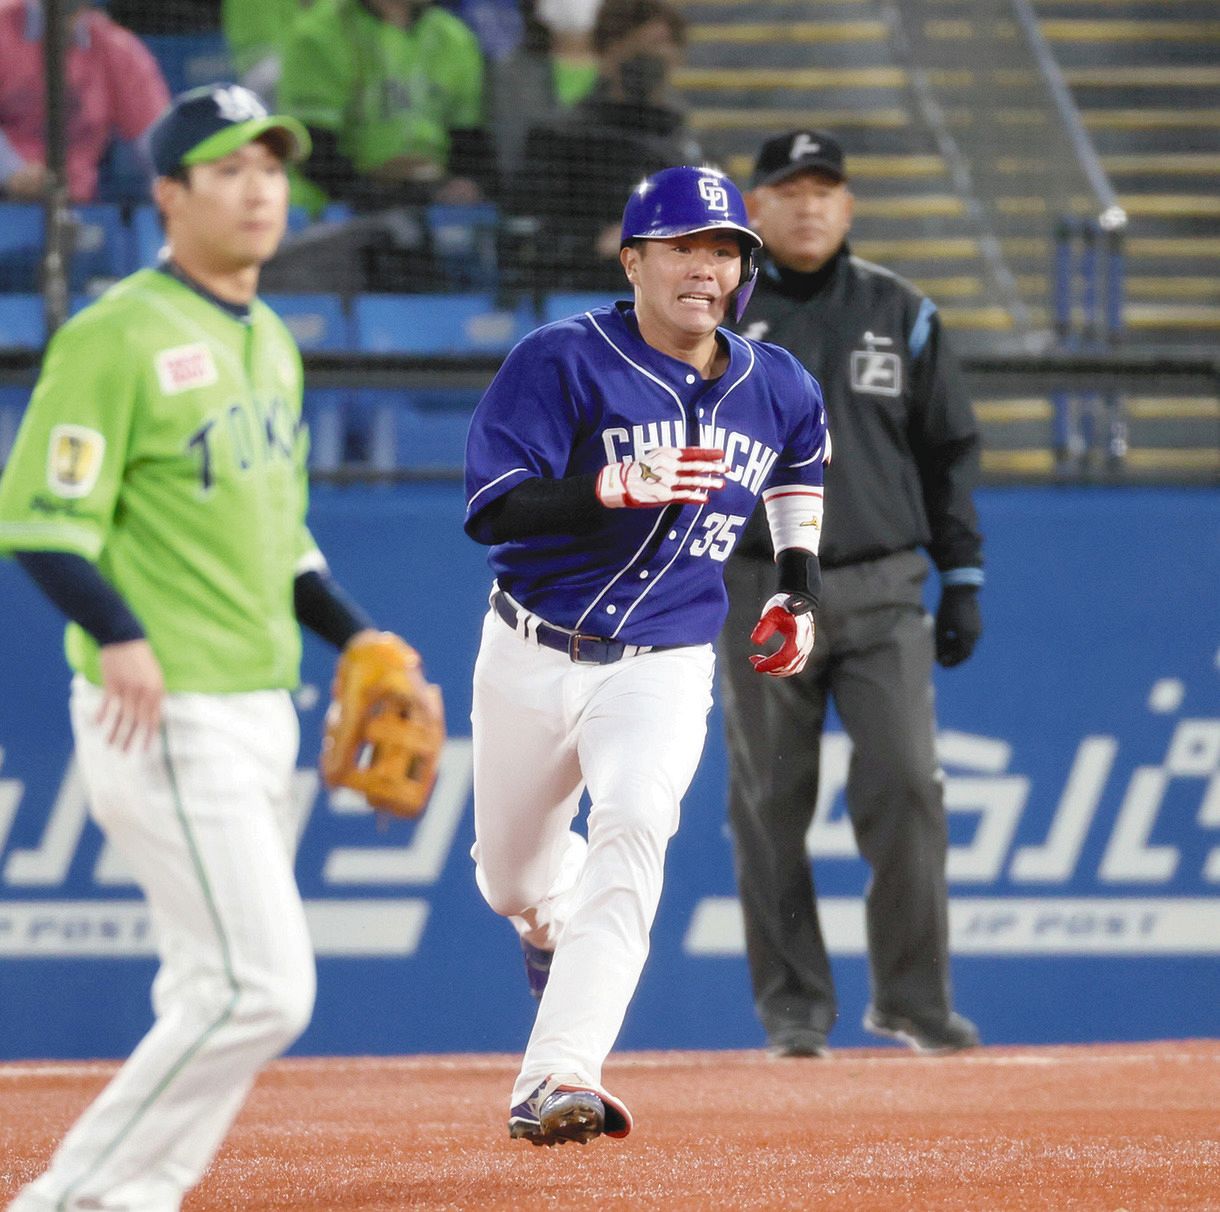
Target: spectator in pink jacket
x,y
115,88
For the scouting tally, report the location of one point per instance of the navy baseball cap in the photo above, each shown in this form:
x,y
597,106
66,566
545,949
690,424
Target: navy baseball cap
x,y
210,122
798,151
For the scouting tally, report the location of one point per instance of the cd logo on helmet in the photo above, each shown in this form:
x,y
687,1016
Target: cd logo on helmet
x,y
714,194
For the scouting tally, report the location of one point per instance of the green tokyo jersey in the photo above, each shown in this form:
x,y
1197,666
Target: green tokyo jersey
x,y
164,442
383,90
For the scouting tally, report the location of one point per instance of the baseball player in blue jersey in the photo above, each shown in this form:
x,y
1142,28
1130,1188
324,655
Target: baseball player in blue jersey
x,y
610,468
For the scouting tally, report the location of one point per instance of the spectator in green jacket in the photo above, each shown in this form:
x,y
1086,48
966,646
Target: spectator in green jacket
x,y
392,94
256,34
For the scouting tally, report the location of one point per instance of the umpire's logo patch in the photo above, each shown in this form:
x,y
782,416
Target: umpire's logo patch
x,y
74,460
185,367
876,373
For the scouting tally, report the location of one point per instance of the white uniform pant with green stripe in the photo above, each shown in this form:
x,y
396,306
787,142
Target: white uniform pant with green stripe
x,y
204,822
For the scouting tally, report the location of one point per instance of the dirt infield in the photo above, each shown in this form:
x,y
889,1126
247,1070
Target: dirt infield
x,y
1133,1127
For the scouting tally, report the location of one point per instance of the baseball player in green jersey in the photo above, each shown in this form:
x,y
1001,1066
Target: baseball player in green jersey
x,y
157,494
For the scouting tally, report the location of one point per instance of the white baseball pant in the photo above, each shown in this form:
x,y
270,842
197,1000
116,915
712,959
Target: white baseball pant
x,y
544,727
204,821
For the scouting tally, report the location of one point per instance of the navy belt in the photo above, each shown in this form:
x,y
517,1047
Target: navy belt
x,y
584,649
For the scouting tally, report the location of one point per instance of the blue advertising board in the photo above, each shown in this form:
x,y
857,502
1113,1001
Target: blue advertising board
x,y
1081,748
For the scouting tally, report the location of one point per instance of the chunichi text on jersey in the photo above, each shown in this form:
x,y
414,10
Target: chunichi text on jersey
x,y
749,461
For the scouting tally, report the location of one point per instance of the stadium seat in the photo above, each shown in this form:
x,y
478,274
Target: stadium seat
x,y
320,322
22,322
103,251
298,218
463,240
147,238
189,60
559,305
315,321
122,176
102,245
438,324
12,404
21,237
425,428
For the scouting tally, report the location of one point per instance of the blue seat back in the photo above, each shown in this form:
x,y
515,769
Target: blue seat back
x,y
463,241
438,324
320,322
559,305
147,238
315,321
189,60
12,405
103,251
22,232
122,175
22,322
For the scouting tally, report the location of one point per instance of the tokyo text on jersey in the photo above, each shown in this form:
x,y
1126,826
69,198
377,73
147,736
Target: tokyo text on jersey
x,y
585,392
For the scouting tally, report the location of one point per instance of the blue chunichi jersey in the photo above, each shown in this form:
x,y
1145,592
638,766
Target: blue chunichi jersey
x,y
576,395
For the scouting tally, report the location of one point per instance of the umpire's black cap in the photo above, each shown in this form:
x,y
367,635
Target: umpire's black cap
x,y
796,152
210,122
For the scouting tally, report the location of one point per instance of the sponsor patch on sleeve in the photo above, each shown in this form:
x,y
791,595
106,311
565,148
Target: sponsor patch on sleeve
x,y
185,367
74,460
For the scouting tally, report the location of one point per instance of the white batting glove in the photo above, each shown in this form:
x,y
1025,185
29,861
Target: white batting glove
x,y
790,616
665,476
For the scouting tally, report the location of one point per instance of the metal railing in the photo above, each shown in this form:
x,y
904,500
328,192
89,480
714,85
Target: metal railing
x,y
1087,278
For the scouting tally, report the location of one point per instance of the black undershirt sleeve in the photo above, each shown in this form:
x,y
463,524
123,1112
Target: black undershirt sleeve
x,y
79,590
544,506
324,607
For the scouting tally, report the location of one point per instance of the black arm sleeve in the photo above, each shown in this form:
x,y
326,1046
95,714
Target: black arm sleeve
x,y
800,572
322,605
946,444
542,506
80,591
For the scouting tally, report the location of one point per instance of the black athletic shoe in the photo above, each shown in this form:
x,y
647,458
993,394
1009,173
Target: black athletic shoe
x,y
953,1034
798,1044
563,1108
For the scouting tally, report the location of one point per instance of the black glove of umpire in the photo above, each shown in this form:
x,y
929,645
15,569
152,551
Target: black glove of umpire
x,y
958,624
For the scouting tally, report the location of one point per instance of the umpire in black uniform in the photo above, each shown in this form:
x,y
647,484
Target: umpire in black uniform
x,y
903,467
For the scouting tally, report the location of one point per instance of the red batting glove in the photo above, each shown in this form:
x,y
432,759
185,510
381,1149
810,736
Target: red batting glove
x,y
790,616
664,476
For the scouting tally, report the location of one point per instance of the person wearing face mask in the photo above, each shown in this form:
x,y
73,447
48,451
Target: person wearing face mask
x,y
578,167
906,452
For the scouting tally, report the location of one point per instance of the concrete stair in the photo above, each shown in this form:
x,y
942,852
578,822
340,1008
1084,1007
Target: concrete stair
x,y
762,68
1146,77
960,168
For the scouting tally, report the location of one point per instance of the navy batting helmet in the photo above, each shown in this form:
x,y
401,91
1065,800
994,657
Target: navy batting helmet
x,y
685,200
